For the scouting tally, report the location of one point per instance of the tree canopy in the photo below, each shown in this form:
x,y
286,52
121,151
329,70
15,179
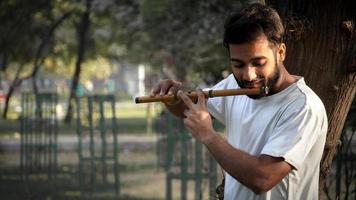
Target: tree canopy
x,y
181,36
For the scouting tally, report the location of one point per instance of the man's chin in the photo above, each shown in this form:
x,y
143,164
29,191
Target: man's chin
x,y
255,96
252,96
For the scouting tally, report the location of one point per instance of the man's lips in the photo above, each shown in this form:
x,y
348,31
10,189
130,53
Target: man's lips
x,y
253,84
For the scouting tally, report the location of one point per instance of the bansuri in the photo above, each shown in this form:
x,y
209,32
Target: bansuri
x,y
263,91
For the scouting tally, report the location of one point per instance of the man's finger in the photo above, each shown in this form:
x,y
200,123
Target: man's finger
x,y
188,124
173,90
188,102
201,98
186,112
165,87
155,90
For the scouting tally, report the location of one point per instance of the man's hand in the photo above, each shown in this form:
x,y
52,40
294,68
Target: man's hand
x,y
197,118
166,86
170,87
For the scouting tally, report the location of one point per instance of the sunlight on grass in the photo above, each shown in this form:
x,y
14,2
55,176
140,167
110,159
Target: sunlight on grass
x,y
131,112
137,118
139,111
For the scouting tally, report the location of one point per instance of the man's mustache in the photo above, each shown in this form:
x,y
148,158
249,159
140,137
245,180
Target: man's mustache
x,y
253,83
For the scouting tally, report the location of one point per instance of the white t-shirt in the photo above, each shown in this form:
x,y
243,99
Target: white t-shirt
x,y
291,124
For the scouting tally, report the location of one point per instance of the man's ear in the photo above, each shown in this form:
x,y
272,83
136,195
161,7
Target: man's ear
x,y
282,52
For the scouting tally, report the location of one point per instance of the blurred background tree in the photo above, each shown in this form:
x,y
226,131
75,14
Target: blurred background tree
x,y
181,39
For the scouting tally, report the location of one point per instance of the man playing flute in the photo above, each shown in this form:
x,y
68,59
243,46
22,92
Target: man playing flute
x,y
274,142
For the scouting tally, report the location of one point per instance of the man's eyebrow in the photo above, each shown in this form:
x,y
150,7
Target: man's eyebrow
x,y
255,58
236,60
259,58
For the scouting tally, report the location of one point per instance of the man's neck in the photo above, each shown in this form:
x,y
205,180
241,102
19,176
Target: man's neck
x,y
284,81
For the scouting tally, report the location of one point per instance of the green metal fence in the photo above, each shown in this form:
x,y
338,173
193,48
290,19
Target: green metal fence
x,y
98,149
39,130
184,159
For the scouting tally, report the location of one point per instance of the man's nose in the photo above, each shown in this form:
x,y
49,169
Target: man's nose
x,y
249,73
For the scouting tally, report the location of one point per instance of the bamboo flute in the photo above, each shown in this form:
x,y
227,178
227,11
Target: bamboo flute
x,y
208,94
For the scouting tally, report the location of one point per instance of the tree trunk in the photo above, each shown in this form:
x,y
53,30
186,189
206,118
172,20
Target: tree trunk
x,y
321,46
15,83
83,30
36,66
3,66
39,57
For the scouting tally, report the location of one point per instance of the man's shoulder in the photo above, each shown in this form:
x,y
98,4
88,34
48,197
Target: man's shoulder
x,y
310,98
301,98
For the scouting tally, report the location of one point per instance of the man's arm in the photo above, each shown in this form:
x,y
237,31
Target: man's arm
x,y
259,173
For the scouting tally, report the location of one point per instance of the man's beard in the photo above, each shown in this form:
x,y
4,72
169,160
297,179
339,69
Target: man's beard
x,y
268,81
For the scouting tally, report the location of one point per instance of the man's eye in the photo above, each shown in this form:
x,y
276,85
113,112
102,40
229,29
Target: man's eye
x,y
238,65
259,64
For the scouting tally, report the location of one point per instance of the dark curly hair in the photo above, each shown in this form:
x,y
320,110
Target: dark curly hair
x,y
252,22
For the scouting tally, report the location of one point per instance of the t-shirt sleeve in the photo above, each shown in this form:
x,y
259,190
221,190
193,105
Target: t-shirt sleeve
x,y
294,135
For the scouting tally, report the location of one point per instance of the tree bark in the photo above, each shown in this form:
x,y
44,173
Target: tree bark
x,y
321,46
83,30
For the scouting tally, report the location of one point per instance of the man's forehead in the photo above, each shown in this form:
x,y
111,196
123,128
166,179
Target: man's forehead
x,y
260,42
252,50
